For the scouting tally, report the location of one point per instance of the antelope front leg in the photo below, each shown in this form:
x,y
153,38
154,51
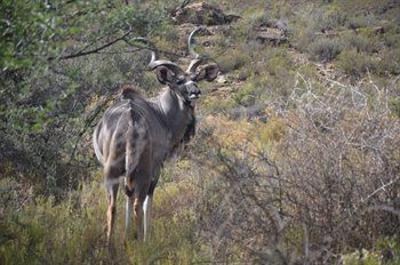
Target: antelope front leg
x,y
147,216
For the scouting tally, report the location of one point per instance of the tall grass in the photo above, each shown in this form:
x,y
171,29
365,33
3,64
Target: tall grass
x,y
72,232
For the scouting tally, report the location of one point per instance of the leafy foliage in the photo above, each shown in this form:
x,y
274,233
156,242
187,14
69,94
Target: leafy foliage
x,y
43,98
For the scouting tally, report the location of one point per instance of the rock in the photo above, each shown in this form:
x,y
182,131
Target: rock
x,y
282,26
231,18
270,35
202,14
221,79
225,89
274,32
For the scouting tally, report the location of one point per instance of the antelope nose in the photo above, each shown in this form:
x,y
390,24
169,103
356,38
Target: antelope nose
x,y
195,94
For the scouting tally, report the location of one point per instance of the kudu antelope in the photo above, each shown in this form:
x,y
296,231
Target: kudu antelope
x,y
136,135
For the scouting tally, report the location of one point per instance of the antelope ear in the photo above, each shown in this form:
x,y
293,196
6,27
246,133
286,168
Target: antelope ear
x,y
209,73
164,75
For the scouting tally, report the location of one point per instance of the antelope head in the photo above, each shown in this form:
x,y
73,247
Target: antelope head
x,y
184,83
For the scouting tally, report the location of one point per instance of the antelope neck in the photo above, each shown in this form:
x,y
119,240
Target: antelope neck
x,y
177,113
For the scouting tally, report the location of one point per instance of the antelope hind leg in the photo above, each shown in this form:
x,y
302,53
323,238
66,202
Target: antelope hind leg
x,y
112,191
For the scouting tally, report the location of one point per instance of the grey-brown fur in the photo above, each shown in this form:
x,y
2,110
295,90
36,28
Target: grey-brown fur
x,y
135,125
136,135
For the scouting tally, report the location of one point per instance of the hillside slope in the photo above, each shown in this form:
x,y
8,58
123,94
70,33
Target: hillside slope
x,y
297,154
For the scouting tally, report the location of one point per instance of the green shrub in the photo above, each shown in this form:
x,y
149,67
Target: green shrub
x,y
325,49
390,63
354,63
392,38
390,249
233,60
272,74
394,105
218,104
277,61
269,76
355,22
302,37
329,18
365,257
245,95
360,42
302,29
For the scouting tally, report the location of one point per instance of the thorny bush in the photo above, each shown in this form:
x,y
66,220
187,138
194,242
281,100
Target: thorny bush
x,y
329,186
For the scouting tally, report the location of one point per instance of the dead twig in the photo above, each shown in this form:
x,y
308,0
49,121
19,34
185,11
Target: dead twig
x,y
96,50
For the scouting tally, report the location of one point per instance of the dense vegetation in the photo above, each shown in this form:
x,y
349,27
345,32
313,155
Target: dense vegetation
x,y
297,154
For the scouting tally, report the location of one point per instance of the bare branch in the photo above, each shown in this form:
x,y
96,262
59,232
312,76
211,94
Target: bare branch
x,y
96,50
383,187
